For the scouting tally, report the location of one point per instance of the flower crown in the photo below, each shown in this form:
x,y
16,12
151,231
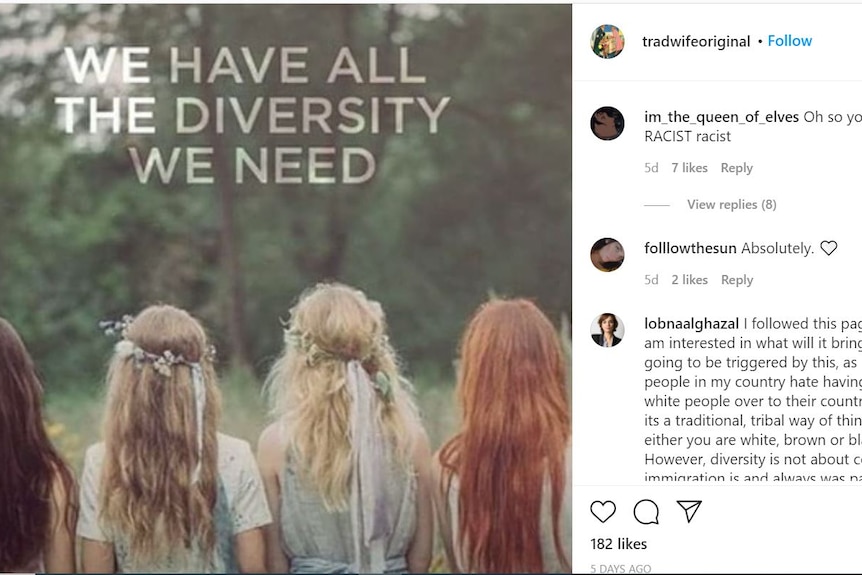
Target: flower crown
x,y
314,354
162,362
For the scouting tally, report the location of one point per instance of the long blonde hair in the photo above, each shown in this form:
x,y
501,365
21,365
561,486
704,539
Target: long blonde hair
x,y
148,496
331,325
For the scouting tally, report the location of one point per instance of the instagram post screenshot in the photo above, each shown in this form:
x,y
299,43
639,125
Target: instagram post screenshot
x,y
717,326
287,288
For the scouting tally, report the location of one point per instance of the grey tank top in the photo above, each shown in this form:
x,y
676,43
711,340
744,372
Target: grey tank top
x,y
320,541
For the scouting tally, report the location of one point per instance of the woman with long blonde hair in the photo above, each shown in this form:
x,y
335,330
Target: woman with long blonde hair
x,y
503,481
346,464
164,491
37,488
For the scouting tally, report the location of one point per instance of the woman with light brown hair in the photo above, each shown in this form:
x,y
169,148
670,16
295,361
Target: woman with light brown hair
x,y
347,465
37,489
165,492
503,481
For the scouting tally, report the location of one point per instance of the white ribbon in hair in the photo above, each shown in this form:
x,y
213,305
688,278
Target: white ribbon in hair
x,y
200,403
165,361
368,497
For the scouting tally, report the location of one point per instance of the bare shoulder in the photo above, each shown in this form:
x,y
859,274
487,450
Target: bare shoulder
x,y
438,462
421,445
441,475
62,485
270,437
436,465
64,499
270,448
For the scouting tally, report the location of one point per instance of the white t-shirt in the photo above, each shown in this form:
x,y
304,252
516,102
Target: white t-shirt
x,y
241,506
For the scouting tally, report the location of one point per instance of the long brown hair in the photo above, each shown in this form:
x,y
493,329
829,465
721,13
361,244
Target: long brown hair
x,y
513,437
29,464
147,493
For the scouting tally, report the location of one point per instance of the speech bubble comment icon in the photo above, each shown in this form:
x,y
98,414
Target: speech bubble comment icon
x,y
646,512
602,510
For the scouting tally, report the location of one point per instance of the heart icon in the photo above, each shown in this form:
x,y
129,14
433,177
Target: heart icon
x,y
828,246
602,510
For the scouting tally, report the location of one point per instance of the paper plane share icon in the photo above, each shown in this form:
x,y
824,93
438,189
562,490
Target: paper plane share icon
x,y
690,507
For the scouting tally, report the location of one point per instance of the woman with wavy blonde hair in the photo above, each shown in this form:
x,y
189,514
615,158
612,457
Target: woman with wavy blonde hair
x,y
503,497
37,489
346,464
165,492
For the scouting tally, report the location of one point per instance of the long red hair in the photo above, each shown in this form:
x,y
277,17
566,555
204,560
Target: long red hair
x,y
513,438
29,464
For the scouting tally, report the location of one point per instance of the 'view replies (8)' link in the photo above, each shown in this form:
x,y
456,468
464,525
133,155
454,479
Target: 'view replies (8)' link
x,y
717,329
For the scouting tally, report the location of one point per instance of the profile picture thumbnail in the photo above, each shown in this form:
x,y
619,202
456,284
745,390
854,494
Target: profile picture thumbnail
x,y
607,330
607,123
607,254
607,41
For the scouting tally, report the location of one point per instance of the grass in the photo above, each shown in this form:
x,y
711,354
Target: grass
x,y
73,420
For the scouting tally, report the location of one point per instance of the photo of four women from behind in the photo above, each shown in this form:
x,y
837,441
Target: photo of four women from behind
x,y
343,480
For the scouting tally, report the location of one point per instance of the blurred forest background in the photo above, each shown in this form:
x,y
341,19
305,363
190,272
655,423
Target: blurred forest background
x,y
484,206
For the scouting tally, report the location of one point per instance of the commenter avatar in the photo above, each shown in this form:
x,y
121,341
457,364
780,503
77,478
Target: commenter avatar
x,y
607,254
610,330
607,123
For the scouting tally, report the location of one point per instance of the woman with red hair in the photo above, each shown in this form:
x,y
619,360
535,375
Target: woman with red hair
x,y
503,497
